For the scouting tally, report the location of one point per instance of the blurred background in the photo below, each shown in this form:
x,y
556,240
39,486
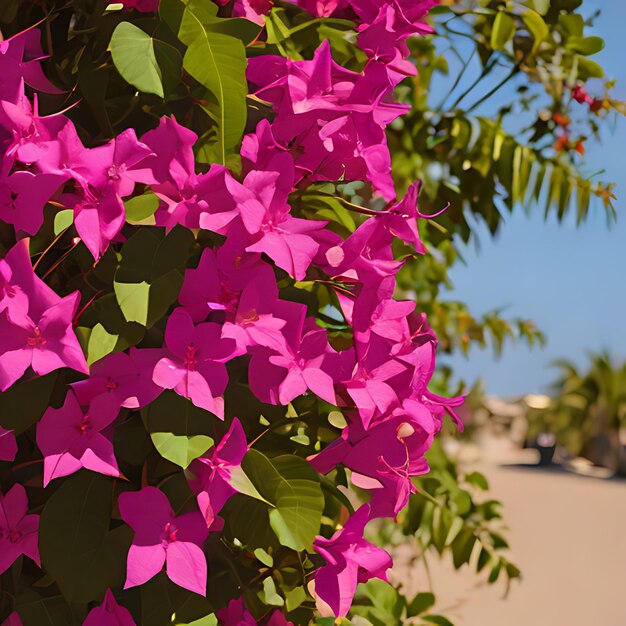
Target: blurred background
x,y
546,413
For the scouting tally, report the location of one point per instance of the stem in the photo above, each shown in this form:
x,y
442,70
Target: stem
x,y
54,241
497,87
59,261
490,65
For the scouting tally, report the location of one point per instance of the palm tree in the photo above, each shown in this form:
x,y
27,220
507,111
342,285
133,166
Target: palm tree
x,y
587,411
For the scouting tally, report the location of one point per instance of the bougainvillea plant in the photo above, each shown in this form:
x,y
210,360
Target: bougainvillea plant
x,y
202,361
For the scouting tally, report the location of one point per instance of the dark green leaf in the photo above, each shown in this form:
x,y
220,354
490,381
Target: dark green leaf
x,y
74,538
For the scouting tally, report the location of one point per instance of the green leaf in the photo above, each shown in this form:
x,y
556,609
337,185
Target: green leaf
x,y
586,46
218,61
178,429
24,403
292,486
100,343
420,603
462,547
140,209
437,619
150,273
35,610
179,449
269,595
75,542
264,557
477,480
503,30
133,299
143,60
537,27
242,484
294,598
62,220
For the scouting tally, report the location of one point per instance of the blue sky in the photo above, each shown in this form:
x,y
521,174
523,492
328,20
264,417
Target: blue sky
x,y
570,280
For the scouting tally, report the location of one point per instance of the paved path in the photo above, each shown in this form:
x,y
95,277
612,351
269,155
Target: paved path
x,y
568,536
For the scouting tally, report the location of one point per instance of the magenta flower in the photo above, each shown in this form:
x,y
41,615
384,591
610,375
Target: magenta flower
x,y
13,620
163,539
194,363
18,530
8,445
143,6
371,386
45,344
262,202
236,614
213,472
259,318
279,378
350,559
109,613
193,200
70,439
253,10
120,163
20,59
121,380
98,216
12,297
401,219
23,196
221,276
332,120
43,338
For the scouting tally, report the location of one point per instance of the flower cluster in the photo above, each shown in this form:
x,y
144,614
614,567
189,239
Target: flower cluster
x,y
327,125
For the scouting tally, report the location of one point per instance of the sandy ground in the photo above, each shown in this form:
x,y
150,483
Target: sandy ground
x,y
568,536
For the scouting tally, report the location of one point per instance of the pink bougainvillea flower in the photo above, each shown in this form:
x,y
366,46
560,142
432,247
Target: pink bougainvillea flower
x,y
121,380
279,378
219,279
332,120
399,441
401,219
350,559
214,471
43,338
45,343
8,445
36,323
30,134
70,438
172,148
321,8
163,539
18,530
120,163
23,196
12,297
20,59
253,10
370,385
277,618
194,364
98,216
109,613
235,614
409,14
13,620
262,202
143,6
259,318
